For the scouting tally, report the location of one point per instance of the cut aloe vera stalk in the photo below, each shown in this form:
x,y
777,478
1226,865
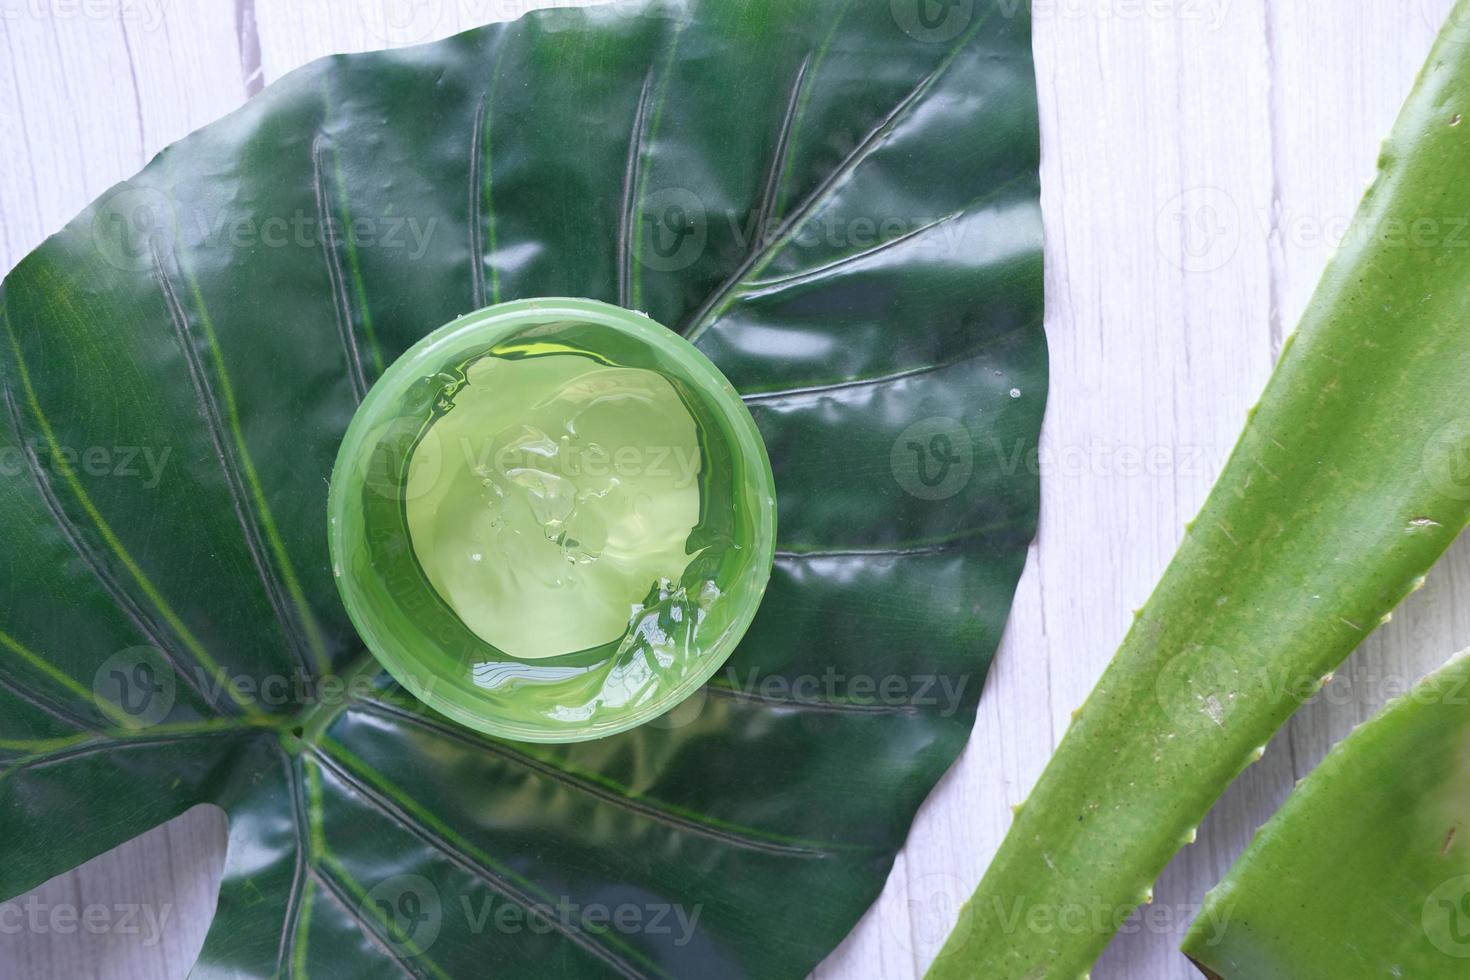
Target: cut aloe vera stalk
x,y
1350,480
1365,872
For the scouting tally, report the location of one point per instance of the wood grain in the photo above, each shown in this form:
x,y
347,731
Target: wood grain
x,y
1201,158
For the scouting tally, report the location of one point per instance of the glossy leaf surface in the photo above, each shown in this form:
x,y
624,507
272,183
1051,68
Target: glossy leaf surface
x,y
836,200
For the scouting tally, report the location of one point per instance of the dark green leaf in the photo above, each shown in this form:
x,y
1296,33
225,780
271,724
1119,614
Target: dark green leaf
x,y
836,200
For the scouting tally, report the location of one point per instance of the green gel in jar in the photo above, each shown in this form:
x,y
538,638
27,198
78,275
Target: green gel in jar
x,y
552,520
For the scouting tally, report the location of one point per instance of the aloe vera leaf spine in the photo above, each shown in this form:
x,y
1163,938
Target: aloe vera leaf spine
x,y
1350,480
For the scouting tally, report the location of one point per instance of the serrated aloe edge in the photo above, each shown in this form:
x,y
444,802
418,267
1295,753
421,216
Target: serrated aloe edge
x,y
1350,480
1365,871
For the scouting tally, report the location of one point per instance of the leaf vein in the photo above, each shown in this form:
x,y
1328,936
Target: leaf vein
x,y
634,235
477,196
334,891
213,416
103,528
955,542
336,274
291,919
632,172
53,709
114,590
472,866
757,397
780,156
762,253
763,287
111,742
743,837
226,407
810,704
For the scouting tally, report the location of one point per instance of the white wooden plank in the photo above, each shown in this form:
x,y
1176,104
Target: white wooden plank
x,y
137,912
1337,78
91,91
293,33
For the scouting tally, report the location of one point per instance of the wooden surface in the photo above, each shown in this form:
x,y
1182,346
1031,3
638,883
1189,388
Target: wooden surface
x,y
1200,159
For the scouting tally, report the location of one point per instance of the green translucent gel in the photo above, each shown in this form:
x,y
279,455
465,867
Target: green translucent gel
x,y
552,520
565,491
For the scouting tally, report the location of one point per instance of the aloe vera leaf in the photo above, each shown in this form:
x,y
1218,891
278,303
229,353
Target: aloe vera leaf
x,y
1365,871
1350,480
